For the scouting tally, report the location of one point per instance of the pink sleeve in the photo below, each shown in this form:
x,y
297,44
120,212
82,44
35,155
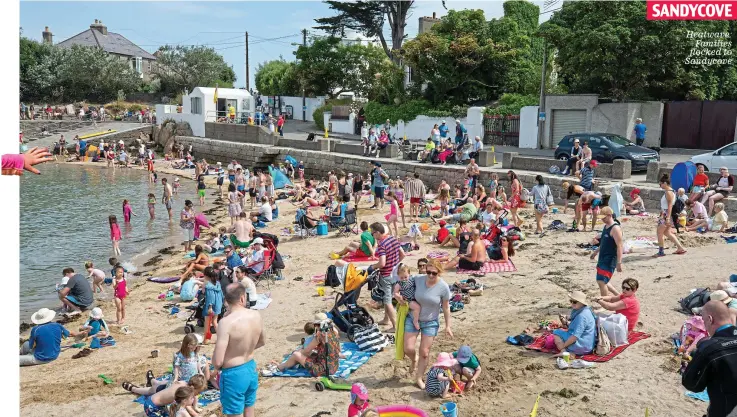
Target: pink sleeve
x,y
13,164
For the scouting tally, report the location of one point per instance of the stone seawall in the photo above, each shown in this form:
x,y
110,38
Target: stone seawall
x,y
318,163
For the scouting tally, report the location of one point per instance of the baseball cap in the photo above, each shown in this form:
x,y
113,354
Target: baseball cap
x,y
360,391
258,241
442,223
464,354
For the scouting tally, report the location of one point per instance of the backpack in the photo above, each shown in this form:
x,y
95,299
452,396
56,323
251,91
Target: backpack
x,y
278,262
331,277
697,298
603,344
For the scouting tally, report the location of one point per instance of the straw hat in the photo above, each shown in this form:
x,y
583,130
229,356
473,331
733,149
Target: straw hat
x,y
444,360
43,316
721,295
578,296
96,313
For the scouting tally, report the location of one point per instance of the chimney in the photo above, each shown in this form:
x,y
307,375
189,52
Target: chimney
x,y
99,27
48,37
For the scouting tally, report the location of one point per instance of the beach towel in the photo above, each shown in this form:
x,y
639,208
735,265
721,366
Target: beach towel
x,y
640,244
632,338
219,252
702,396
490,267
354,359
163,280
437,254
399,335
203,400
200,221
262,301
730,239
353,257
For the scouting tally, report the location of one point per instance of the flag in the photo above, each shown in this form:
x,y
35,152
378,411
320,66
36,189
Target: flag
x,y
215,97
534,409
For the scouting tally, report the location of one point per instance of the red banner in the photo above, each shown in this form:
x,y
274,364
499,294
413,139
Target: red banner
x,y
691,10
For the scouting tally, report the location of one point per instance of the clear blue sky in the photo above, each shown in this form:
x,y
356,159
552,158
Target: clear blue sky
x,y
152,24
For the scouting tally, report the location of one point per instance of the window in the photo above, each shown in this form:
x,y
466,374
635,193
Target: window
x,y
729,150
138,64
618,141
196,105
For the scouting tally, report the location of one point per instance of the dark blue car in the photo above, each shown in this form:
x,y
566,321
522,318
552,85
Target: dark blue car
x,y
607,147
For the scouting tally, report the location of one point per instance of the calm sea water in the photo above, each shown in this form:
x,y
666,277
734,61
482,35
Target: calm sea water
x,y
64,222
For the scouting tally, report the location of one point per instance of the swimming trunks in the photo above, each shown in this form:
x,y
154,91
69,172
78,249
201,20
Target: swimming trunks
x,y
238,388
604,273
153,410
234,240
252,192
201,193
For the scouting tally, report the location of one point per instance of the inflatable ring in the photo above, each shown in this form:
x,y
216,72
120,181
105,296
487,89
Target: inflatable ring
x,y
400,411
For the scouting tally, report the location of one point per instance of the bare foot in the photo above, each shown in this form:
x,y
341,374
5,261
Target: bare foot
x,y
469,385
383,323
392,330
420,384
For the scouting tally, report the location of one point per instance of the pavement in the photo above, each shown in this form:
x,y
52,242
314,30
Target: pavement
x,y
118,126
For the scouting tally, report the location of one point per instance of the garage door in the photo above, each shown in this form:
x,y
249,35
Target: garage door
x,y
566,122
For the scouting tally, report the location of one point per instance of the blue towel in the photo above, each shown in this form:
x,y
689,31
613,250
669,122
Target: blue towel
x,y
204,399
95,343
730,239
190,255
703,396
355,359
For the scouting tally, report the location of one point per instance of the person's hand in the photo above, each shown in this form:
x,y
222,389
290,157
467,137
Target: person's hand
x,y
448,332
619,267
36,156
593,255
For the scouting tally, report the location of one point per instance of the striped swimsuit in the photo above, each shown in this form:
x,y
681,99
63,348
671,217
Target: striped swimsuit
x,y
433,386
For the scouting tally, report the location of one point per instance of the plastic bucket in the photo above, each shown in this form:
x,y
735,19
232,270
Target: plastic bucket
x,y
322,229
555,210
449,410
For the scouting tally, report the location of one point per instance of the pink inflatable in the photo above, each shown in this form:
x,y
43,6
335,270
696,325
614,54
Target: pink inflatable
x,y
400,411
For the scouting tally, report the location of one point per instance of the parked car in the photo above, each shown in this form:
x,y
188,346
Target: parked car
x,y
725,156
607,147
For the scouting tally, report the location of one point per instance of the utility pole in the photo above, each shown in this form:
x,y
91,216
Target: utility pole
x,y
248,75
542,117
304,100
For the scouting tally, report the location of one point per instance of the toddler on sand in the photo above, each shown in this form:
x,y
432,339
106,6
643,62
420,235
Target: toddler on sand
x,y
96,325
404,292
98,276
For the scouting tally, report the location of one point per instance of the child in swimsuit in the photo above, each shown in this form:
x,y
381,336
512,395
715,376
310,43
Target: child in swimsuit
x,y
127,211
121,292
176,185
152,205
114,234
404,292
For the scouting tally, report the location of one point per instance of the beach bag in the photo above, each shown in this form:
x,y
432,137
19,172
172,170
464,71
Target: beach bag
x,y
370,339
278,262
549,200
331,277
698,298
603,345
554,169
525,195
615,327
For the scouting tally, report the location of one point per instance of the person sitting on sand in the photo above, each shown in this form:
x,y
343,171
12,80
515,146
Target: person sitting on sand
x,y
580,338
264,213
199,263
95,325
636,206
501,253
44,343
320,357
439,376
366,247
590,200
157,395
190,286
625,304
698,212
473,261
718,223
454,241
242,231
214,244
241,276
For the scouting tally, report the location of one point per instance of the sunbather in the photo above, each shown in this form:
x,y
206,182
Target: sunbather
x,y
365,247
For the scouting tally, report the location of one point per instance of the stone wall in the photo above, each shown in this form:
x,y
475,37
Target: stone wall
x,y
620,169
128,136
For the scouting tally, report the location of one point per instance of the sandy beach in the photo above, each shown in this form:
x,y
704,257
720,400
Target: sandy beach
x,y
641,377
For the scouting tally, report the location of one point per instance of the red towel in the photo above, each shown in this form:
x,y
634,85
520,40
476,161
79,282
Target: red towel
x,y
490,267
354,257
632,337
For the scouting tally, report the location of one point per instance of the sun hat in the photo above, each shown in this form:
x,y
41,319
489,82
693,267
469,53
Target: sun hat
x,y
258,241
576,140
320,317
444,360
458,121
43,316
721,295
594,163
220,163
443,122
121,142
578,296
464,354
96,313
199,338
360,391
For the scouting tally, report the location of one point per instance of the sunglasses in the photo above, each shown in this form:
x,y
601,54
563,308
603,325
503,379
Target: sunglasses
x,y
572,301
432,273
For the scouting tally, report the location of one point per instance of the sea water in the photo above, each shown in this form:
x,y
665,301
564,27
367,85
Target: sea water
x,y
64,222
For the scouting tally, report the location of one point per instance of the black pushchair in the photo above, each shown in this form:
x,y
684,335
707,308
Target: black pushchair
x,y
197,318
346,313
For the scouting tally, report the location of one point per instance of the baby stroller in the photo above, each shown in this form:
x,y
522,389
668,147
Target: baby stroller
x,y
495,233
197,318
346,313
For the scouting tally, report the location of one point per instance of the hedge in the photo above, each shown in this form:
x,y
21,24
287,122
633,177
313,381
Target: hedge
x,y
512,104
377,113
317,115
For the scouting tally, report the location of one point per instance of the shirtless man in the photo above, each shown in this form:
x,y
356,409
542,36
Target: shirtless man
x,y
475,257
240,332
589,200
243,231
240,183
269,185
157,397
166,198
252,191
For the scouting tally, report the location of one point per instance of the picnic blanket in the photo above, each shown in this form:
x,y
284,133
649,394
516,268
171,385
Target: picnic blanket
x,y
490,267
730,239
353,257
262,301
163,280
355,358
632,337
437,254
190,255
204,399
702,396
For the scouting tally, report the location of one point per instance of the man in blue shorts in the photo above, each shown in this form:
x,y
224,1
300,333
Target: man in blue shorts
x,y
239,334
610,252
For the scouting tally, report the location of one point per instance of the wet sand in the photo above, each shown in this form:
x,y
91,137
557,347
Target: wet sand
x,y
547,269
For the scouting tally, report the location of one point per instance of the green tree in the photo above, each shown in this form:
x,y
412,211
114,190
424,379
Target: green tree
x,y
594,38
180,67
278,78
368,18
32,53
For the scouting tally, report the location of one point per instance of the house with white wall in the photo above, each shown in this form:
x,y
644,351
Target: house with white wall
x,y
200,106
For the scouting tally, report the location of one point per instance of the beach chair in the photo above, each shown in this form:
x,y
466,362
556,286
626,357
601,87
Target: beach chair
x,y
349,224
267,274
305,230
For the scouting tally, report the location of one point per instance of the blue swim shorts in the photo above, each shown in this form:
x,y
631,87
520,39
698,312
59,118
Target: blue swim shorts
x,y
153,410
604,273
238,388
428,328
231,178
